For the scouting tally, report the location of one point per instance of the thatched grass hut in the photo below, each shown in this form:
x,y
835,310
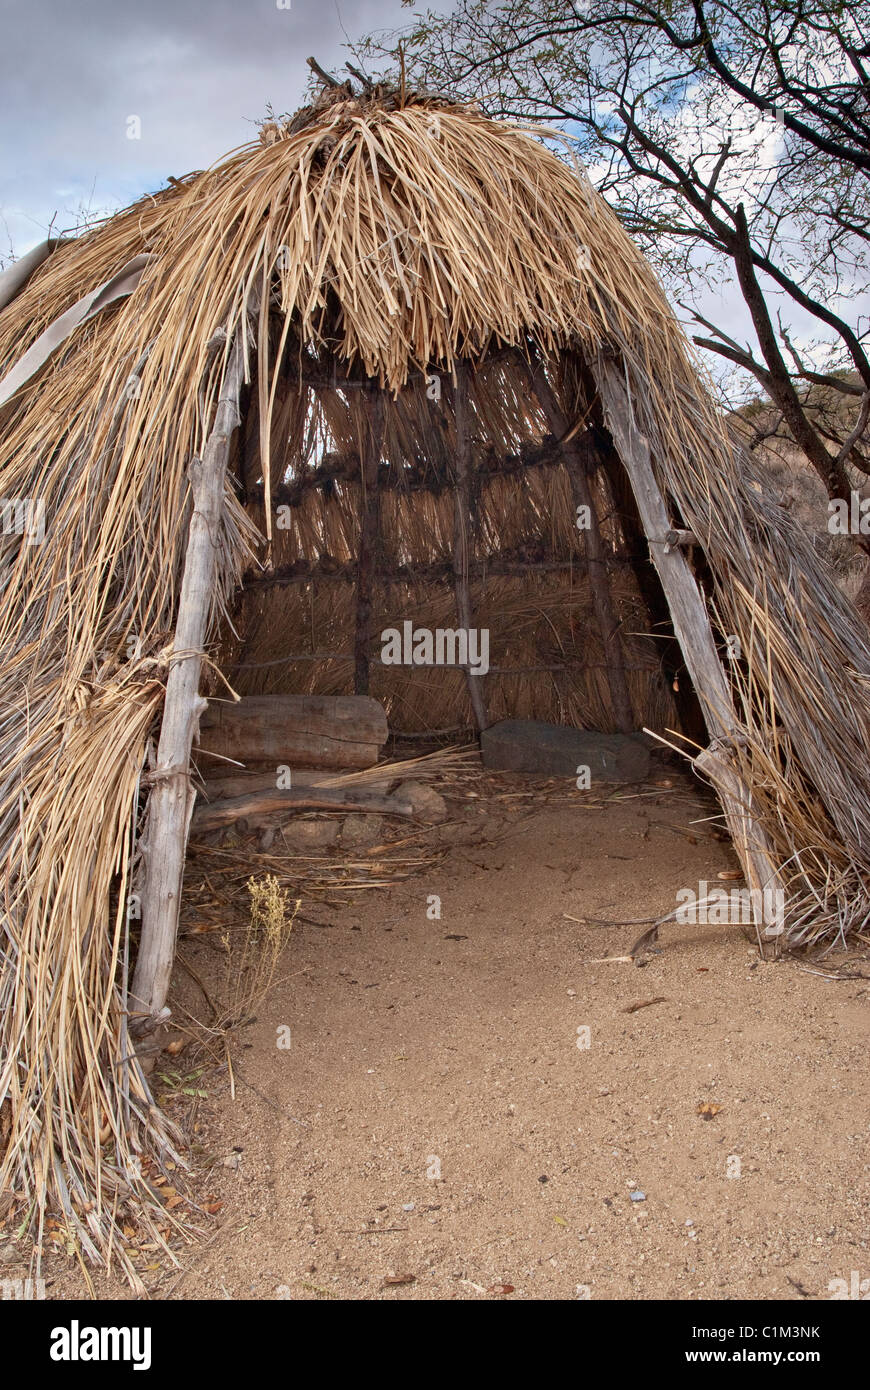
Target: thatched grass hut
x,y
367,368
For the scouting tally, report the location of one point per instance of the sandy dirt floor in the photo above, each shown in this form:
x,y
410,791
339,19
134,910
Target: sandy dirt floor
x,y
438,1120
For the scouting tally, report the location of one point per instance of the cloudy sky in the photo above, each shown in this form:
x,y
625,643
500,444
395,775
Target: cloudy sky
x,y
197,73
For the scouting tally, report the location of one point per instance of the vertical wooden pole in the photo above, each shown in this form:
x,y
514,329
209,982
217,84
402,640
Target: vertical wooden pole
x,y
596,563
695,635
170,804
671,657
461,529
371,446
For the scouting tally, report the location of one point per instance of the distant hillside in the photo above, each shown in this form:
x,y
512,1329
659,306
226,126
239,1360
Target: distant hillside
x,y
795,482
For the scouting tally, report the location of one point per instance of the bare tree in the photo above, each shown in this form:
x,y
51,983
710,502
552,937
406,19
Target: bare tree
x,y
733,140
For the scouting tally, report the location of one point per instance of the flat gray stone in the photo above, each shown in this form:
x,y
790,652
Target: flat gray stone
x,y
428,804
307,836
552,750
361,830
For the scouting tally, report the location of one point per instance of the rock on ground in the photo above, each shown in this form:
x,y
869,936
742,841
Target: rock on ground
x,y
359,830
428,805
529,745
307,836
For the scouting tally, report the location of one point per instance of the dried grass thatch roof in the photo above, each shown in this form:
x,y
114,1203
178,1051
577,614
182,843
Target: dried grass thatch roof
x,y
382,237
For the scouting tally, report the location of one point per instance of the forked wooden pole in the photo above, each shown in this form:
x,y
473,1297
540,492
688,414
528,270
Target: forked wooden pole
x,y
719,762
461,528
170,804
370,513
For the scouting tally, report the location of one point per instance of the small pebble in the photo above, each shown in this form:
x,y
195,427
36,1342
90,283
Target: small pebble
x,y
638,1196
408,1206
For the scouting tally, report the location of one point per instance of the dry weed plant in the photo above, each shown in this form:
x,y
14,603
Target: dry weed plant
x,y
249,968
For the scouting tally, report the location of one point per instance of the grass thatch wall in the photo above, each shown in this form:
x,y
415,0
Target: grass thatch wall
x,y
544,645
529,589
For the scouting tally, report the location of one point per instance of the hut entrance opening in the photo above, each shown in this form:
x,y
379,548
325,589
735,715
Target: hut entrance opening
x,y
466,551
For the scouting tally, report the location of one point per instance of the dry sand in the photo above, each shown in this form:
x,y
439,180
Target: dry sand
x,y
434,1115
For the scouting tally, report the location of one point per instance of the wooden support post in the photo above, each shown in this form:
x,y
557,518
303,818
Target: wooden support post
x,y
371,446
718,764
623,501
695,635
596,565
170,804
461,529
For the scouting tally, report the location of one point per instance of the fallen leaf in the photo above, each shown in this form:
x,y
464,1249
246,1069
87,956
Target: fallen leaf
x,y
213,1208
560,1221
802,1290
501,1288
707,1109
